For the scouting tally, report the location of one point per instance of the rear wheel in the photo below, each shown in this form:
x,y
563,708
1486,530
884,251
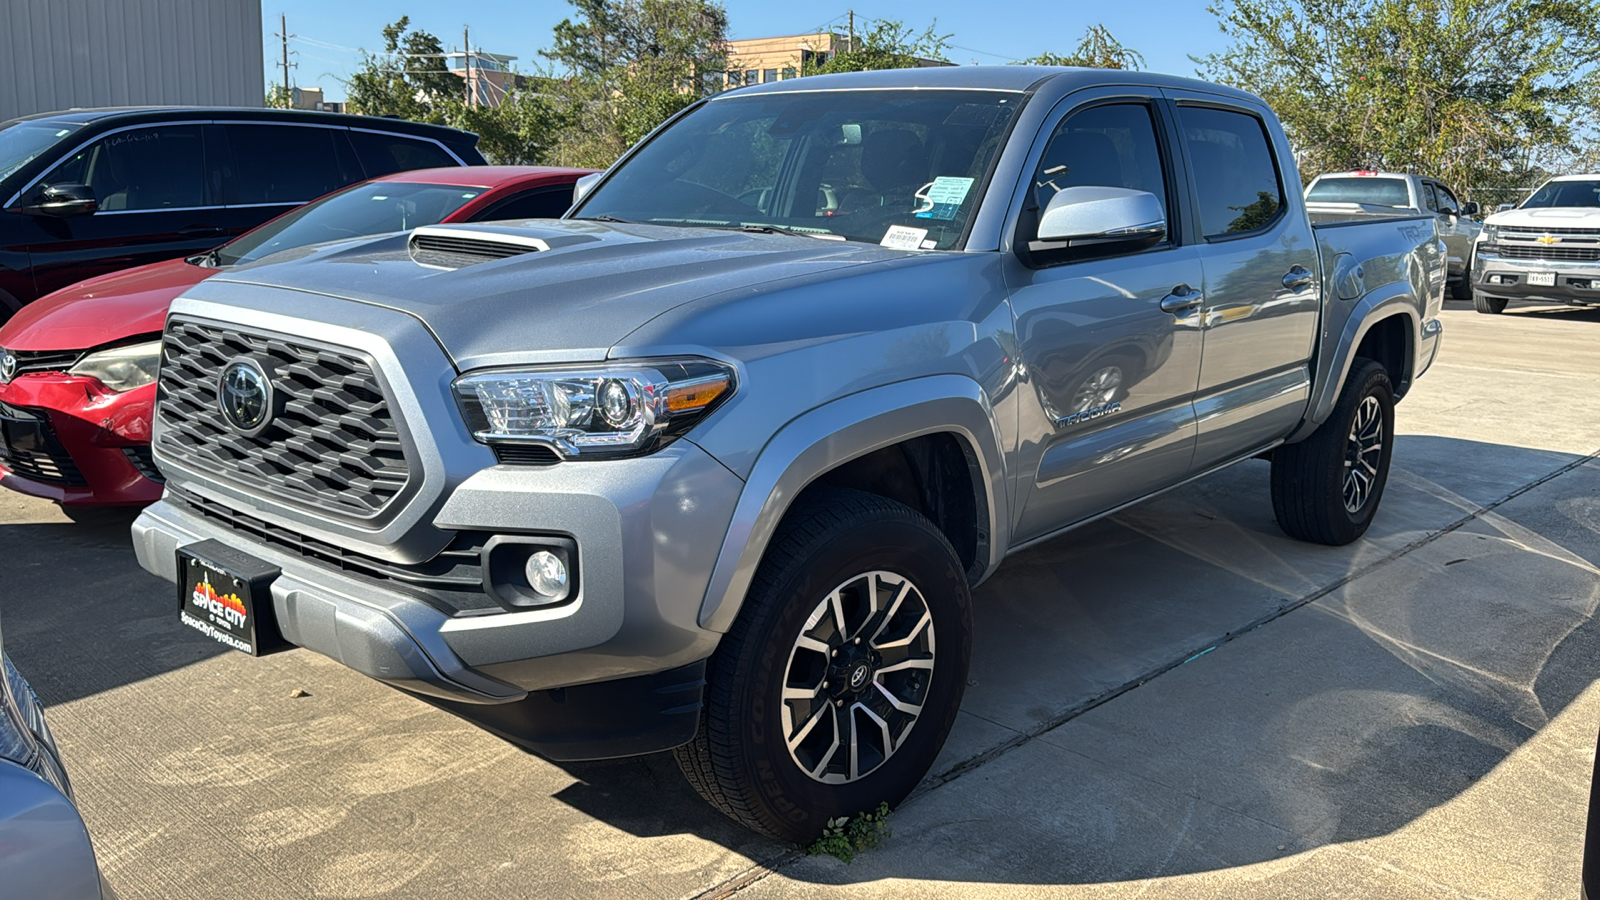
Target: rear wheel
x,y
1489,306
1461,288
839,681
1326,488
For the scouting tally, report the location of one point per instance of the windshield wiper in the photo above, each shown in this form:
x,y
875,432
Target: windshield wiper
x,y
779,229
606,218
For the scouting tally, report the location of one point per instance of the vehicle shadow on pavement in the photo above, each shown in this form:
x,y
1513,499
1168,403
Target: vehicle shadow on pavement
x,y
1261,698
1534,310
79,615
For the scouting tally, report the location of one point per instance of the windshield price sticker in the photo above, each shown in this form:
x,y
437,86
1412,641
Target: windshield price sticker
x,y
901,237
943,197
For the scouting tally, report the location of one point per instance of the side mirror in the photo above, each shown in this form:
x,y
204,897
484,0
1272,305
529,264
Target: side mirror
x,y
64,200
1089,215
1470,209
584,185
1505,206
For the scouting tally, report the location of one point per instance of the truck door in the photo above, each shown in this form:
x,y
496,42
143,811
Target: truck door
x,y
1107,335
1457,231
1263,299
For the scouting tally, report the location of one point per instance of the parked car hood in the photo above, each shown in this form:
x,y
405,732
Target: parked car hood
x,y
590,286
103,309
1551,217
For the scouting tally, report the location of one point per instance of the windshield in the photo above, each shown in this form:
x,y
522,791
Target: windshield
x,y
376,207
22,142
1565,193
899,167
1376,191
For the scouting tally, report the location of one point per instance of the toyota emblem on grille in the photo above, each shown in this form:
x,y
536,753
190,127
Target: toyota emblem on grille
x,y
8,366
245,395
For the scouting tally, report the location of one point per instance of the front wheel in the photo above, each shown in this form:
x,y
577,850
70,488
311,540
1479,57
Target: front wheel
x,y
1326,488
839,681
1489,306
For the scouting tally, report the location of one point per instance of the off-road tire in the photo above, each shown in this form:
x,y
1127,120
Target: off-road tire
x,y
1489,306
1461,288
739,759
1308,478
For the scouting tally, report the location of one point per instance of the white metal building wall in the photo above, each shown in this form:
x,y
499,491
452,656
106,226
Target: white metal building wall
x,y
58,54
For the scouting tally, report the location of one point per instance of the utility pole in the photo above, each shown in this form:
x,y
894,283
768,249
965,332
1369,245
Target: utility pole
x,y
852,32
283,32
466,56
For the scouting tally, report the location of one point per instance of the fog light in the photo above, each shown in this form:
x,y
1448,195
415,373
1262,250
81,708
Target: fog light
x,y
547,575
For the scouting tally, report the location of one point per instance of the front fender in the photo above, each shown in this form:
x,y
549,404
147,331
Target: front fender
x,y
836,433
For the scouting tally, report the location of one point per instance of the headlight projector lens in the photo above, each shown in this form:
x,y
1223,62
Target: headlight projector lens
x,y
547,575
616,404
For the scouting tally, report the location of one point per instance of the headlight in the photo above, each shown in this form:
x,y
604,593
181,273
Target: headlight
x,y
607,409
1491,233
122,368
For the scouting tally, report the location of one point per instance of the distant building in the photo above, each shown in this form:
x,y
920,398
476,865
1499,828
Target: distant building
x,y
760,60
491,75
58,54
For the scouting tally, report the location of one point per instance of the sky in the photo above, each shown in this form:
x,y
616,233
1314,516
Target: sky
x,y
329,36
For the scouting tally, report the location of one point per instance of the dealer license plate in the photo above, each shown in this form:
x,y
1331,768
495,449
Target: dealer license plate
x,y
226,596
1542,279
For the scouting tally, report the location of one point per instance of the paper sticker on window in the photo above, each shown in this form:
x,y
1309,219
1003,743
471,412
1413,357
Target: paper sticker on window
x,y
941,199
900,237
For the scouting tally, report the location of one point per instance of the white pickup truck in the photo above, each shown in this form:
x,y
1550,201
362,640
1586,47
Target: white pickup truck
x,y
1546,248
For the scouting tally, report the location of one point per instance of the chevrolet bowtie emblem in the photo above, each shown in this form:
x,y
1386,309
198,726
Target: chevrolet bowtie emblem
x,y
1547,239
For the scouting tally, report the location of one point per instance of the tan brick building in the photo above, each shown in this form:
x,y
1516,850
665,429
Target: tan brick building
x,y
760,60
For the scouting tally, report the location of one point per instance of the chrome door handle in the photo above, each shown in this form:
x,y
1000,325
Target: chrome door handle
x,y
1297,278
1182,299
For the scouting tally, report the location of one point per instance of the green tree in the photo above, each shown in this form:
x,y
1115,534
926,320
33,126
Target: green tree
x,y
1097,50
631,64
408,79
884,44
279,97
1482,93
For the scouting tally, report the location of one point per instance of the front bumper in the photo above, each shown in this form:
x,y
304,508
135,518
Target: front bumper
x,y
647,532
77,442
1577,283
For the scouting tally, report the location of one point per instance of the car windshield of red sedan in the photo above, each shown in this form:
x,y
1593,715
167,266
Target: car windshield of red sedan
x,y
22,142
360,211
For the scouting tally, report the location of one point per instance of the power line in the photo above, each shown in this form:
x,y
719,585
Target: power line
x,y
984,53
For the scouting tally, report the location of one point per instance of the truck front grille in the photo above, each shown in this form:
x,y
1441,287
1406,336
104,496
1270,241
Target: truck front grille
x,y
1552,254
331,445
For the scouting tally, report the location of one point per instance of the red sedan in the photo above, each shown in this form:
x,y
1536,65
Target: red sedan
x,y
77,368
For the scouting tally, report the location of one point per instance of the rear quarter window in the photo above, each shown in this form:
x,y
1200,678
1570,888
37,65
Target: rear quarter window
x,y
286,163
384,154
1235,173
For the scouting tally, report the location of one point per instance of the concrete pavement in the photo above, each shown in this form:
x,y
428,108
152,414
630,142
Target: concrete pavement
x,y
1159,701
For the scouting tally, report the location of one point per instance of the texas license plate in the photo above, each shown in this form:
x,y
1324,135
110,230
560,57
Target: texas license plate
x,y
227,596
1542,279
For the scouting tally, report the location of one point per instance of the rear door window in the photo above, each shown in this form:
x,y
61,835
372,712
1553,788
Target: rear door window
x,y
384,154
1235,172
286,163
1429,197
141,169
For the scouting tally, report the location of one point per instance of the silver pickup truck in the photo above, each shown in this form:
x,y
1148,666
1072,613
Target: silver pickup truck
x,y
1344,195
714,462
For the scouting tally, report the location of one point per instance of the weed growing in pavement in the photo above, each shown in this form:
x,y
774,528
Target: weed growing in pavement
x,y
847,836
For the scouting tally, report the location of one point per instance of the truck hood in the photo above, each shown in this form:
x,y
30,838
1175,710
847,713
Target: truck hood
x,y
587,286
103,309
1554,218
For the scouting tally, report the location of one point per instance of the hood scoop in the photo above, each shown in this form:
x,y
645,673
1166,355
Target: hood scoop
x,y
449,248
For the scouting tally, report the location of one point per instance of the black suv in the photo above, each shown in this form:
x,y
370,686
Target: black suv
x,y
86,192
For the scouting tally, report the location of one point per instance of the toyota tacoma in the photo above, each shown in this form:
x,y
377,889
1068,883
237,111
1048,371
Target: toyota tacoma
x,y
714,462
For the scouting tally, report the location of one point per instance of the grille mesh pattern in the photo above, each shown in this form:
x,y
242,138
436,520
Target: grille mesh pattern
x,y
1559,254
332,443
43,458
145,462
458,252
